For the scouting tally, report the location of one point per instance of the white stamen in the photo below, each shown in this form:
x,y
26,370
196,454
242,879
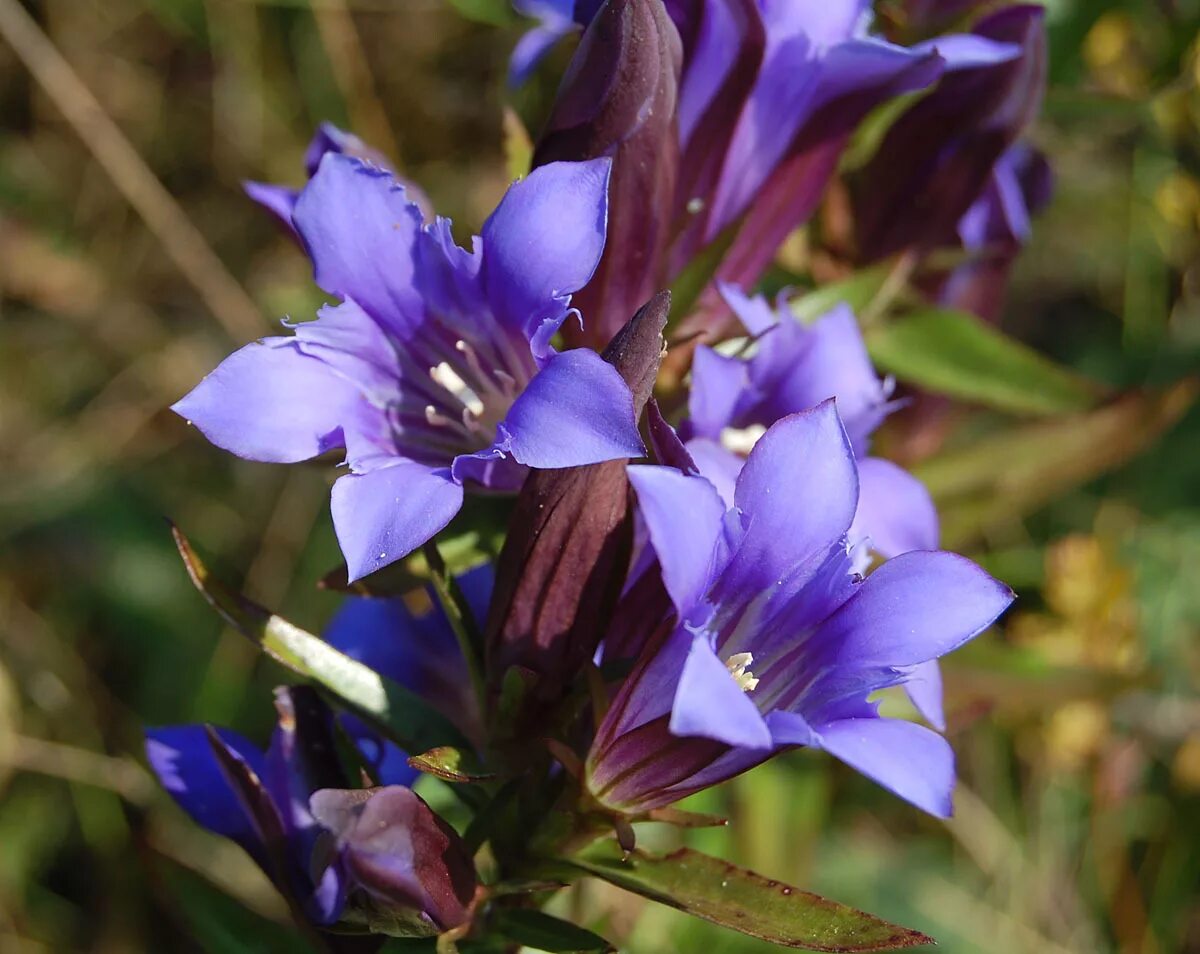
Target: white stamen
x,y
469,353
448,378
695,205
739,667
741,440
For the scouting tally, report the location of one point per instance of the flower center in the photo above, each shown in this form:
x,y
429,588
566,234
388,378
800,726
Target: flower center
x,y
739,667
741,440
482,397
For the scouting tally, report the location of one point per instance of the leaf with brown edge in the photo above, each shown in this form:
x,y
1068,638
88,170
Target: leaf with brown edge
x,y
395,711
450,765
999,479
564,561
735,898
258,806
682,819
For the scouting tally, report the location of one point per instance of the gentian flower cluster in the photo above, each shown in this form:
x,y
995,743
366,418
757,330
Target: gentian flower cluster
x,y
702,569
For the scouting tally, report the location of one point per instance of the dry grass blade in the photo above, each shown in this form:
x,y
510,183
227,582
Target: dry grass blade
x,y
180,238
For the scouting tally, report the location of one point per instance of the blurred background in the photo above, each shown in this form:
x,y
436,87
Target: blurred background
x,y
130,263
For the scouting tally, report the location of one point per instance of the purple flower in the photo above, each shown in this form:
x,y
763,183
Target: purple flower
x,y
776,642
415,871
995,228
770,93
260,801
791,368
435,370
280,201
940,157
787,113
733,401
556,21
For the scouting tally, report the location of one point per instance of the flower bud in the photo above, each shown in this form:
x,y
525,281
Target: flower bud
x,y
415,871
937,159
619,100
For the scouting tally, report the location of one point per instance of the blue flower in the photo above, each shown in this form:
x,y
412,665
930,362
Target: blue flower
x,y
280,200
417,650
260,800
792,368
435,370
775,641
768,95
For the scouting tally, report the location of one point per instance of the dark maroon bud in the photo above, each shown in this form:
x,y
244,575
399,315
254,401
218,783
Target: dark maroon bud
x,y
567,552
618,99
413,866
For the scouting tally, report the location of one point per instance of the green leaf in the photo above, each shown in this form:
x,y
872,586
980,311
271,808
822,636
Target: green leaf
x,y
458,613
956,354
398,713
544,932
998,479
744,901
857,291
686,289
518,147
451,765
495,12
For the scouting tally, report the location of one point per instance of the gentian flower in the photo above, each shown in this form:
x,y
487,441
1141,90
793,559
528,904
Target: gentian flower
x,y
994,229
415,874
734,400
280,200
275,828
766,166
776,643
940,157
435,370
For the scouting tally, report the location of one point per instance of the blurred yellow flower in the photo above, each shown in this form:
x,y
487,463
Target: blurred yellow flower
x,y
1113,56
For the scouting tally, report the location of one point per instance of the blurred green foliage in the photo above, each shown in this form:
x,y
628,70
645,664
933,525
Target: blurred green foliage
x,y
1077,723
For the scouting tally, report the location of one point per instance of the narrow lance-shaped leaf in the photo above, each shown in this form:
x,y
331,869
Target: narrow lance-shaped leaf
x,y
858,291
544,932
564,562
735,898
956,354
394,710
619,100
458,613
1006,476
258,806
